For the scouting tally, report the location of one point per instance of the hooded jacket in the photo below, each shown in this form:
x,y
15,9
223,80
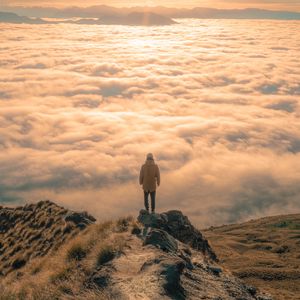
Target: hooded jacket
x,y
149,176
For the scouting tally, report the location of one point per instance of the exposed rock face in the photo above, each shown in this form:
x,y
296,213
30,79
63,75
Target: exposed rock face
x,y
178,226
162,240
33,230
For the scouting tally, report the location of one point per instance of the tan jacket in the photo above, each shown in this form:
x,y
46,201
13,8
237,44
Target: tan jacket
x,y
149,176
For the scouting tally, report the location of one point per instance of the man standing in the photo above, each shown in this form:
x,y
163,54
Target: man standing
x,y
149,177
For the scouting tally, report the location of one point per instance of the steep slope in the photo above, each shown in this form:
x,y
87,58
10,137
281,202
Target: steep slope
x,y
33,230
160,257
264,253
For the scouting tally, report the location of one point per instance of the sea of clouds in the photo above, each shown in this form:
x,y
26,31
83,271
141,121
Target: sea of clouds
x,y
216,101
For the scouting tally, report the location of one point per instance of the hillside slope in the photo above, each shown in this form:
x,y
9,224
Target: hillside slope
x,y
160,256
35,229
264,253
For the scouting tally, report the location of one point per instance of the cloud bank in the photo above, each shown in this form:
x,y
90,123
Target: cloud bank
x,y
217,102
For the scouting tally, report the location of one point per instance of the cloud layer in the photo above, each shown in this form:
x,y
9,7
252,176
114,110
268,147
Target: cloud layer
x,y
217,102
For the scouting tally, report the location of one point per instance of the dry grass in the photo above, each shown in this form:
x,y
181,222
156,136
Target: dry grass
x,y
63,274
264,253
31,231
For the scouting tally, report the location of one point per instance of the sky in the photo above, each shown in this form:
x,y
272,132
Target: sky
x,y
292,5
215,101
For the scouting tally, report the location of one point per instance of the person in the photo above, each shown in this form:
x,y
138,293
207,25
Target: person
x,y
149,179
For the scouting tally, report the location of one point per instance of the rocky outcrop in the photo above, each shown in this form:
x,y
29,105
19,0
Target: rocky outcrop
x,y
33,230
184,264
178,226
154,264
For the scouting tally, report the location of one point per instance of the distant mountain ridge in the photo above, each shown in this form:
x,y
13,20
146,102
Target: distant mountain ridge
x,y
100,11
8,17
137,18
132,19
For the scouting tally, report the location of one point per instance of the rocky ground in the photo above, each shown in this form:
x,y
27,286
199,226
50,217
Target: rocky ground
x,y
170,259
35,229
264,253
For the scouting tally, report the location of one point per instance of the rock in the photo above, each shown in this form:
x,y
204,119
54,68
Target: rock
x,y
264,297
172,270
81,226
251,289
151,220
215,270
161,240
178,226
78,218
135,230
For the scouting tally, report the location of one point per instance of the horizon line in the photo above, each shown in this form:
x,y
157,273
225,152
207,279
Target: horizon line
x,y
146,7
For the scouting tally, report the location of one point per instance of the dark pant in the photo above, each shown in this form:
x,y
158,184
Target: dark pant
x,y
152,195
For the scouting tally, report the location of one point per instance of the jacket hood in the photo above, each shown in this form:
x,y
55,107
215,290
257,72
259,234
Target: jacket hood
x,y
150,161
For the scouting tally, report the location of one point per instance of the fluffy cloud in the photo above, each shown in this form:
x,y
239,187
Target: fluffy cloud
x,y
217,102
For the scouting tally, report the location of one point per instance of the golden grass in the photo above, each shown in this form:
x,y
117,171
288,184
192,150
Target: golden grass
x,y
263,253
62,274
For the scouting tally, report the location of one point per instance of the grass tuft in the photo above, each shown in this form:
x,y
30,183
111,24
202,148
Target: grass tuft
x,y
123,224
76,252
106,254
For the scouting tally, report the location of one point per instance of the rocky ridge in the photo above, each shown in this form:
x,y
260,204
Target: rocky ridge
x,y
156,257
33,230
176,262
